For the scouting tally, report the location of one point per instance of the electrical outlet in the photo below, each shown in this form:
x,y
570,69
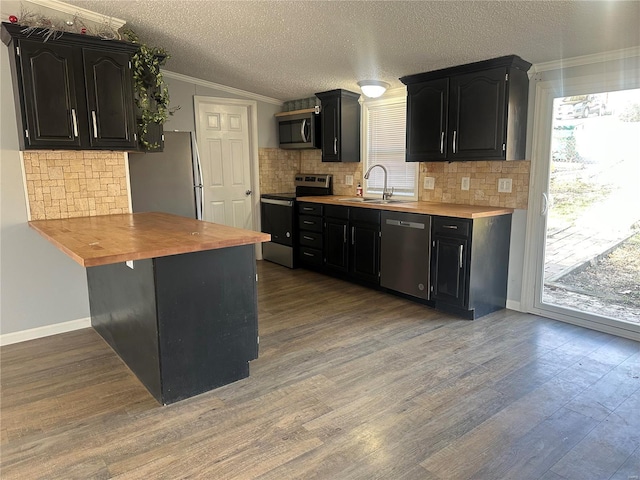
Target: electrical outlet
x,y
429,183
504,185
465,183
129,264
348,179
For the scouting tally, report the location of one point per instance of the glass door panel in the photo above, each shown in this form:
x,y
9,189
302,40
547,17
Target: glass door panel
x,y
592,239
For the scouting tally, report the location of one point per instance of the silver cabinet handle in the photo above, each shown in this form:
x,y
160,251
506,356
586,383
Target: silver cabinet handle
x,y
460,256
304,124
74,119
308,254
454,141
344,233
353,235
95,124
452,227
307,222
308,238
441,142
335,145
307,209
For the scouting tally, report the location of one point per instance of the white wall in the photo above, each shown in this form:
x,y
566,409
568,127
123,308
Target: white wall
x,y
182,91
39,285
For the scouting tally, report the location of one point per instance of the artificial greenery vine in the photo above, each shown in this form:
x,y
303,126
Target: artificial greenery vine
x,y
151,94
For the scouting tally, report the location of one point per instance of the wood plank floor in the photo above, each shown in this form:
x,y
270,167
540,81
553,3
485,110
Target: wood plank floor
x,y
350,384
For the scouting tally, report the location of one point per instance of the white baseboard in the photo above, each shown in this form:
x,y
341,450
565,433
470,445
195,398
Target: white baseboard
x,y
513,305
47,330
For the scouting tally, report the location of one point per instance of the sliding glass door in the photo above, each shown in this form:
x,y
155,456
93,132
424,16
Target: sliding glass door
x,y
584,227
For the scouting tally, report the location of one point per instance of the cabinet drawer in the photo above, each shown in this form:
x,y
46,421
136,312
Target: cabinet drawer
x,y
451,226
310,208
311,239
310,256
365,215
336,211
308,222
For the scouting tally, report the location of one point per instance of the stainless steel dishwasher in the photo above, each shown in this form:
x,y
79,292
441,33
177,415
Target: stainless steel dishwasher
x,y
405,253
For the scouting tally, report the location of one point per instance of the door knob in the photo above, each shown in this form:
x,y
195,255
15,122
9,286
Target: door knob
x,y
248,192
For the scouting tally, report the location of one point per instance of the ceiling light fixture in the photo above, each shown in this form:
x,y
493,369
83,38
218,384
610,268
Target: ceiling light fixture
x,y
373,88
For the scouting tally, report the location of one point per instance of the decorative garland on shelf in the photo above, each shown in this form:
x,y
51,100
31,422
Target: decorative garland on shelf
x,y
151,94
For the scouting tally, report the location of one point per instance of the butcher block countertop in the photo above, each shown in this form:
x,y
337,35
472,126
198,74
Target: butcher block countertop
x,y
429,208
105,239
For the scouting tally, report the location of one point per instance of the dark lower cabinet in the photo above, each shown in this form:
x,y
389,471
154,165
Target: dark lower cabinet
x,y
364,259
352,242
449,270
336,239
184,324
310,235
469,264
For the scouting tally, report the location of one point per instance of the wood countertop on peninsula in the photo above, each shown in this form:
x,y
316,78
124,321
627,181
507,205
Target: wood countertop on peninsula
x,y
105,239
428,208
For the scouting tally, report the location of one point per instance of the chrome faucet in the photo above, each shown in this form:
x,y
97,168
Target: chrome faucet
x,y
386,193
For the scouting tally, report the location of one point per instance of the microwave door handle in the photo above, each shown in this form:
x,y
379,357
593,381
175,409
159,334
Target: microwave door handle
x,y
302,127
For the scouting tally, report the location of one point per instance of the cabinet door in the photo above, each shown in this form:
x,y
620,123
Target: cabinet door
x,y
427,112
336,245
477,115
108,82
331,129
449,267
49,95
365,252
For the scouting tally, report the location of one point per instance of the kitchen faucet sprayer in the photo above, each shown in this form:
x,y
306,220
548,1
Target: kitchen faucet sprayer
x,y
386,193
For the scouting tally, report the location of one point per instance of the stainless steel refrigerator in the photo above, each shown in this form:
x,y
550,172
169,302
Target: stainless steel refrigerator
x,y
169,181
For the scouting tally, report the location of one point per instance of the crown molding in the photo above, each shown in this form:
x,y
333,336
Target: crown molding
x,y
224,88
62,7
587,59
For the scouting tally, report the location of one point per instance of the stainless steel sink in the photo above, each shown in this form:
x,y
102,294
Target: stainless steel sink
x,y
372,201
379,201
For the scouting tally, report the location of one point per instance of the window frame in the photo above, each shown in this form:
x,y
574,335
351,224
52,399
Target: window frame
x,y
399,96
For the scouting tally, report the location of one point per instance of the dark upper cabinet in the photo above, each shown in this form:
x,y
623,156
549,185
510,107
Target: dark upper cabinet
x,y
50,110
340,126
72,92
427,113
469,112
107,78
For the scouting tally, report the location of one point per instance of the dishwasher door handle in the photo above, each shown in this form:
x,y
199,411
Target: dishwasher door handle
x,y
401,223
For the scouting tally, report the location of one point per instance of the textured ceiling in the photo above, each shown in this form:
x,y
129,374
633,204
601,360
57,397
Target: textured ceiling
x,y
289,50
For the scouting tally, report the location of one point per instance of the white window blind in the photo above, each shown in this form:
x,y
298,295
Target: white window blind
x,y
385,123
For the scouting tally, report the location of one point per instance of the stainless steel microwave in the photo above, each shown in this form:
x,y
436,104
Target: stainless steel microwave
x,y
299,131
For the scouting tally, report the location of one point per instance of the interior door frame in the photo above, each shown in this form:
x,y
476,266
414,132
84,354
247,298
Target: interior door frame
x,y
252,117
531,296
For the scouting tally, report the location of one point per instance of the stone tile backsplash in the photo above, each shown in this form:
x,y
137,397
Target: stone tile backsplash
x,y
278,168
65,184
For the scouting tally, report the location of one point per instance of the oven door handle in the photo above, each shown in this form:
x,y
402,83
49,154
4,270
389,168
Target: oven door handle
x,y
271,201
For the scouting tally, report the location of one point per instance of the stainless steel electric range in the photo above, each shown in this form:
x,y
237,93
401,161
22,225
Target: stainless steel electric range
x,y
278,213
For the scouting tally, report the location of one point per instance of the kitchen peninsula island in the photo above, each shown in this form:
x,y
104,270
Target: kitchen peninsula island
x,y
174,297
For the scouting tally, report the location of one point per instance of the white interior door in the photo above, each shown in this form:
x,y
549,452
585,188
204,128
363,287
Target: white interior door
x,y
224,141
